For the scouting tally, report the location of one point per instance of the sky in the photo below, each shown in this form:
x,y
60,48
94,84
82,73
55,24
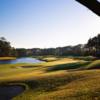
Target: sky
x,y
46,23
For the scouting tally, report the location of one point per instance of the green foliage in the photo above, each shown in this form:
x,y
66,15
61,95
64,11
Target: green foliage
x,y
94,46
21,52
5,48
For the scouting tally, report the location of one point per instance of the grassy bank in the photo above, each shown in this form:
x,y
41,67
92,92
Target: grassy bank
x,y
63,85
59,78
14,72
7,58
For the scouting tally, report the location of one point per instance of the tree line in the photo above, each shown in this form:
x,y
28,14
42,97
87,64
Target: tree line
x,y
91,48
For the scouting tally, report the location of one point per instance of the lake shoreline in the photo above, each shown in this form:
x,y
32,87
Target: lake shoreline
x,y
20,60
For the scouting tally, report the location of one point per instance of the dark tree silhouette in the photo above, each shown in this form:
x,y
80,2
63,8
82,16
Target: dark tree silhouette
x,y
5,48
94,45
93,5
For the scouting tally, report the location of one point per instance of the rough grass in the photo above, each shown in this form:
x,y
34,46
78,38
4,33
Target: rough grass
x,y
55,80
13,72
63,85
86,58
7,58
94,65
68,66
47,58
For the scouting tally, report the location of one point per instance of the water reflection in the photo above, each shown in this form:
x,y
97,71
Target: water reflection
x,y
20,60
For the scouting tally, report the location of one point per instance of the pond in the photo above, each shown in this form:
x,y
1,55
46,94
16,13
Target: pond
x,y
8,92
21,60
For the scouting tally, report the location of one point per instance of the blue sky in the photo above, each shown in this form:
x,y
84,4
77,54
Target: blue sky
x,y
46,23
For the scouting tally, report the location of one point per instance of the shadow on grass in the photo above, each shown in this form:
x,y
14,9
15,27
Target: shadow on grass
x,y
50,84
94,65
67,66
86,58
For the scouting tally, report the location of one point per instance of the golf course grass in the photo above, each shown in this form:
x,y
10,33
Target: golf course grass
x,y
59,78
7,58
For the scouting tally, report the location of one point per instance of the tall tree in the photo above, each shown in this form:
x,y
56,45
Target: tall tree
x,y
5,48
94,45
